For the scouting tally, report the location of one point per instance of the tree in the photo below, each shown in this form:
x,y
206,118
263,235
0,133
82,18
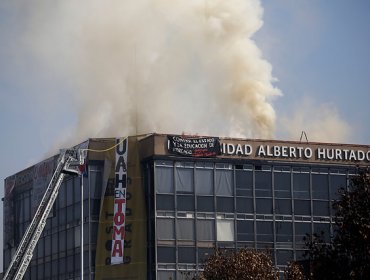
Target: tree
x,y
243,264
347,256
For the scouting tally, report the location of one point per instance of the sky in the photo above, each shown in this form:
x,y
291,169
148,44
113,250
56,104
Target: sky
x,y
318,52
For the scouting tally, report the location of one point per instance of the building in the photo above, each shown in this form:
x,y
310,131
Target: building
x,y
155,206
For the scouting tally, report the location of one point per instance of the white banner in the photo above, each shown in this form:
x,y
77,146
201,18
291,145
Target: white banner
x,y
118,237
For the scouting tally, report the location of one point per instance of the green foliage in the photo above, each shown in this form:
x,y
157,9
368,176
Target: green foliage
x,y
348,254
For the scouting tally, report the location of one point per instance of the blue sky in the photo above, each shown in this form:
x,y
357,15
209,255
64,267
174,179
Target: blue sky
x,y
319,51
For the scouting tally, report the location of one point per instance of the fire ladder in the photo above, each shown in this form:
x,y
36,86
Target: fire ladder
x,y
68,163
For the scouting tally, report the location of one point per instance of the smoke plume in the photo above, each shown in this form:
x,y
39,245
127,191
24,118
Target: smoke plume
x,y
321,122
168,66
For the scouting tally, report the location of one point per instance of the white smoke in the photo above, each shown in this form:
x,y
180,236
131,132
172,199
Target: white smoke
x,y
140,66
321,123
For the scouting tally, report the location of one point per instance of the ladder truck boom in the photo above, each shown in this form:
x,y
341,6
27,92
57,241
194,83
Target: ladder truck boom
x,y
68,163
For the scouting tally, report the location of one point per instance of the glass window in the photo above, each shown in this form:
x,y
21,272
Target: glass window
x,y
70,216
186,255
320,186
77,236
265,232
70,240
205,204
225,230
284,232
27,212
284,256
185,202
225,204
244,183
263,205
96,183
40,271
302,207
165,202
204,181
70,264
282,184
54,246
185,229
165,229
184,179
48,245
40,248
62,196
164,179
337,182
263,184
62,240
62,266
245,230
324,228
301,185
320,208
166,254
62,216
301,229
283,206
205,230
244,205
69,189
224,185
204,254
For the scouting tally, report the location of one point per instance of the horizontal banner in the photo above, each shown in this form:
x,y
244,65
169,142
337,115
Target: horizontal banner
x,y
194,147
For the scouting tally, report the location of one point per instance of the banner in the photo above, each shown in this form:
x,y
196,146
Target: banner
x,y
194,147
133,240
120,185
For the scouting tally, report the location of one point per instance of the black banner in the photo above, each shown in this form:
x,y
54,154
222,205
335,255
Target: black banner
x,y
194,147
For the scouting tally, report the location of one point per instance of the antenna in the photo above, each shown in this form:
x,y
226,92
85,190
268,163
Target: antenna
x,y
305,135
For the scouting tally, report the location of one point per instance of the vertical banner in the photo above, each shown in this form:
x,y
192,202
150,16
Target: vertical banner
x,y
121,249
119,214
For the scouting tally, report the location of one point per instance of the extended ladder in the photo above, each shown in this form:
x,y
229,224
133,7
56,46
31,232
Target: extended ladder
x,y
68,163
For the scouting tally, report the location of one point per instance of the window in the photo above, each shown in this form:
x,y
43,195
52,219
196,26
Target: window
x,y
185,229
225,204
184,178
204,181
302,207
284,232
186,254
245,230
205,230
205,204
244,205
225,230
283,206
301,229
165,202
320,208
166,254
244,183
204,254
337,182
265,231
185,202
263,205
320,186
224,183
301,185
263,184
324,228
165,229
284,256
164,179
282,184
